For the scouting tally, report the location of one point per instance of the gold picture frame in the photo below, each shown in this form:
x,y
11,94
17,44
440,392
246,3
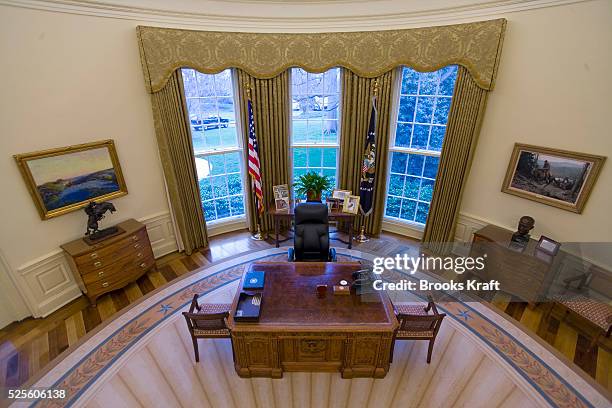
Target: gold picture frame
x,y
84,173
351,204
555,177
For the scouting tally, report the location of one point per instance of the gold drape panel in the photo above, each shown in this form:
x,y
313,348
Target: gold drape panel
x,y
271,109
369,54
356,105
176,152
462,130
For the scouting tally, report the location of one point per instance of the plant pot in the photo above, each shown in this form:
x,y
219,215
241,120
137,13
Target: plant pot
x,y
313,196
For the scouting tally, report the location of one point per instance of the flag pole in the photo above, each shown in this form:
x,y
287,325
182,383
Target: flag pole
x,y
362,237
258,235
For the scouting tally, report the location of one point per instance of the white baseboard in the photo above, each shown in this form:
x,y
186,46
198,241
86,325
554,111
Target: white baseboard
x,y
47,283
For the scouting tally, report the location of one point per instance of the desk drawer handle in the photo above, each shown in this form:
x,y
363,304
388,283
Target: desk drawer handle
x,y
101,273
136,246
93,255
134,238
97,264
143,265
139,255
105,285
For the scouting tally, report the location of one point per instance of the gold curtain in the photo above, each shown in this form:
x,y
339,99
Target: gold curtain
x,y
462,130
475,46
271,109
176,152
356,105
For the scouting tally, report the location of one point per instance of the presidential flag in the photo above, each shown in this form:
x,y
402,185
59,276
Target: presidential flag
x,y
368,168
254,167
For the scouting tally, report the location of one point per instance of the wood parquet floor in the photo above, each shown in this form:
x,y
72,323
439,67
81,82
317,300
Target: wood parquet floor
x,y
28,346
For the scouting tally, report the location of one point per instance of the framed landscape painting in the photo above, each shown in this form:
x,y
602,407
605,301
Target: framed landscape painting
x,y
68,178
555,177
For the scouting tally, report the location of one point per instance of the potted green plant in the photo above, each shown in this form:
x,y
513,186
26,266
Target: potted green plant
x,y
312,185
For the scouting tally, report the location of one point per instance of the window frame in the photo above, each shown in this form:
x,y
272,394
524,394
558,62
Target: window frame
x,y
395,224
323,145
219,226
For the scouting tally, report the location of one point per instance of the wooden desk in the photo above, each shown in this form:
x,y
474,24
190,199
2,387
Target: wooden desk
x,y
332,215
525,274
297,331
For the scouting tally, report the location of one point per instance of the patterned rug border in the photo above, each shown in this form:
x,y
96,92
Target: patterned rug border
x,y
162,304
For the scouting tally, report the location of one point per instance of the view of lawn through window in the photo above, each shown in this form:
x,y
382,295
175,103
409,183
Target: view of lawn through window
x,y
315,122
423,108
216,146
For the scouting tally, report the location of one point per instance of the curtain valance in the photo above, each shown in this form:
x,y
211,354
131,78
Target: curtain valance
x,y
475,46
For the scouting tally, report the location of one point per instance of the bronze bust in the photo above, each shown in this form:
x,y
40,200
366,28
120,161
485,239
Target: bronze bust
x,y
521,236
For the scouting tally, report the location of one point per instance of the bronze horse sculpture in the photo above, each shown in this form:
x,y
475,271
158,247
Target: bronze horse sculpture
x,y
96,212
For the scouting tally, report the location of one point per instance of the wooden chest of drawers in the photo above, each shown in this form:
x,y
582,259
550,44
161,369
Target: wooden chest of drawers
x,y
111,263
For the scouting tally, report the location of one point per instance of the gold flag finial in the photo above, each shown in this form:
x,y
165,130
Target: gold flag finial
x,y
247,87
375,87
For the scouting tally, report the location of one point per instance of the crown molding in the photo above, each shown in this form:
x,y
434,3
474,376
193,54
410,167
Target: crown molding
x,y
227,22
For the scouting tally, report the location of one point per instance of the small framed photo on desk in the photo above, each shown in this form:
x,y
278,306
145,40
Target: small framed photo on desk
x,y
351,204
341,194
548,246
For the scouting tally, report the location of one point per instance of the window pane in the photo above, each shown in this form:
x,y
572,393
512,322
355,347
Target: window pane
x,y
408,209
448,75
421,214
209,210
423,108
427,187
398,162
442,110
232,162
217,164
412,187
428,83
415,165
329,157
234,184
237,205
406,108
402,134
425,105
299,131
431,167
315,156
315,131
396,184
393,206
205,190
436,138
410,81
420,137
223,210
300,157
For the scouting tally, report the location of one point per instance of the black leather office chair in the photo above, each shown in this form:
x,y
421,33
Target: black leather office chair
x,y
311,237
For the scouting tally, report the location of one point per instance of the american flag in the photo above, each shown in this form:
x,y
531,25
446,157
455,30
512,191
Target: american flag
x,y
254,169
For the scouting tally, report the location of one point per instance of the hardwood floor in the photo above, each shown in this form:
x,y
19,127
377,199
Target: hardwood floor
x,y
27,347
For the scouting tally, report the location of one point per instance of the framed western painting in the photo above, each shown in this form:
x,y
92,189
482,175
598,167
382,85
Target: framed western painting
x,y
555,177
68,178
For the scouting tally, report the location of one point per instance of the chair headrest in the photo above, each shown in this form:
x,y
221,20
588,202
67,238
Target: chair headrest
x,y
311,213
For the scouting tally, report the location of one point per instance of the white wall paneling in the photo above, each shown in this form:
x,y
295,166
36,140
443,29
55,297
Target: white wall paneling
x,y
47,283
